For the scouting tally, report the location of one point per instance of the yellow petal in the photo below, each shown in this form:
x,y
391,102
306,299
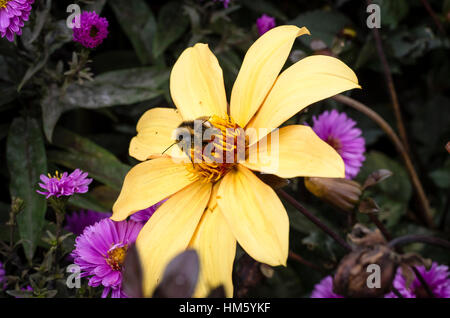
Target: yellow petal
x,y
308,81
216,247
260,68
255,215
155,134
298,152
196,84
148,183
169,231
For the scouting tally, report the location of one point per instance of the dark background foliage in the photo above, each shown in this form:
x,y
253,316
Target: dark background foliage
x,y
51,121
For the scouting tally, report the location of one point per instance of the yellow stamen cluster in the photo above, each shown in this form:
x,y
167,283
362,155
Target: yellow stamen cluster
x,y
226,142
57,174
3,3
116,257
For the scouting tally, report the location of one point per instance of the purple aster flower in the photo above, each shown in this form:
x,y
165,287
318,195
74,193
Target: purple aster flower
x,y
340,132
144,215
437,278
13,14
324,289
2,276
265,23
92,31
64,184
77,221
100,252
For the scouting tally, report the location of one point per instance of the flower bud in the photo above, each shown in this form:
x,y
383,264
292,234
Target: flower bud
x,y
354,277
342,193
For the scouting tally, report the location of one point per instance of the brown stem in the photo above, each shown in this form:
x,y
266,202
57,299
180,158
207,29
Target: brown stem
x,y
408,239
391,87
314,219
433,16
294,256
425,208
423,282
380,226
396,292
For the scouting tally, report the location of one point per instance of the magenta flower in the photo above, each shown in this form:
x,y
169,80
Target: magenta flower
x,y
339,132
265,23
2,276
100,252
77,221
64,184
92,31
324,289
437,279
13,14
144,215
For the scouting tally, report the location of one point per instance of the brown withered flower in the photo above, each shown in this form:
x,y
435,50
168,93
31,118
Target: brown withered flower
x,y
352,275
340,192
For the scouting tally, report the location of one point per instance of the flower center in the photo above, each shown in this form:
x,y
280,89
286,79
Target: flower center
x,y
335,143
116,256
93,32
57,174
3,3
223,146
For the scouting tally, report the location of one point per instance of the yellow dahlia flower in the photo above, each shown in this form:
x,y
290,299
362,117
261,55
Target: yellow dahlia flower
x,y
213,206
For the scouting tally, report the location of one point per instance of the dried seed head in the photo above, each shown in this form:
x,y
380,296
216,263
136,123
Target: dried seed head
x,y
352,276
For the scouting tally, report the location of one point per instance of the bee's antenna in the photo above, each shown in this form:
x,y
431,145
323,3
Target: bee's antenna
x,y
169,147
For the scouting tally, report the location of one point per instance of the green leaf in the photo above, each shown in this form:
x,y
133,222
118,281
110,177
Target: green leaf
x,y
138,23
123,87
58,35
172,23
97,6
88,156
441,176
394,193
264,7
26,161
323,25
392,12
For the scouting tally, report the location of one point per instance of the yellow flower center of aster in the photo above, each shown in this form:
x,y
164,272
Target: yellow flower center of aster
x,y
221,149
116,256
57,174
3,3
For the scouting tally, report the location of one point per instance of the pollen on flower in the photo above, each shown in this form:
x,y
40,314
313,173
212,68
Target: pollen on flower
x,y
225,148
116,256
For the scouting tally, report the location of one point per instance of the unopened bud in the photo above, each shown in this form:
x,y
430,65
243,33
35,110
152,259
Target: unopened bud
x,y
342,193
354,275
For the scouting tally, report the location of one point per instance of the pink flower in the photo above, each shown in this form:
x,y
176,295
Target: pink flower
x,y
340,132
100,252
13,14
92,31
265,23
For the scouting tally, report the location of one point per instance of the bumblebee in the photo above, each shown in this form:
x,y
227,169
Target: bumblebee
x,y
188,132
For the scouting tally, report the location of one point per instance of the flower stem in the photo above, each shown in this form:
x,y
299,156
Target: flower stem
x,y
423,282
314,219
294,256
425,208
433,16
408,239
375,220
391,87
